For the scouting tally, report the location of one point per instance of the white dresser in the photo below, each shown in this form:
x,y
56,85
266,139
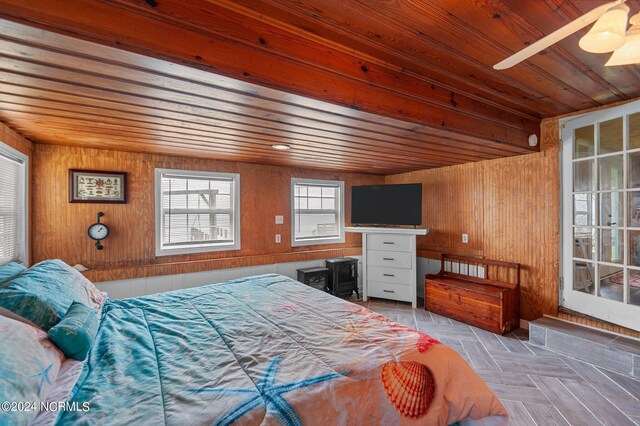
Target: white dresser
x,y
389,262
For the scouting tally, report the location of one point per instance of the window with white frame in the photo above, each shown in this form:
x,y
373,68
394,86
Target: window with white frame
x,y
13,205
196,211
317,209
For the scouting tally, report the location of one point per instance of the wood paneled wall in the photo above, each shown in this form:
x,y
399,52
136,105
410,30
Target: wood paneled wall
x,y
20,143
509,207
60,227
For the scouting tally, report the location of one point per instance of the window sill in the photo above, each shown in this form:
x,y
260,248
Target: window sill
x,y
318,242
160,252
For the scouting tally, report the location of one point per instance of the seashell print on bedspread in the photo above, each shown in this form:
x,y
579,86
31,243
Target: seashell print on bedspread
x,y
269,350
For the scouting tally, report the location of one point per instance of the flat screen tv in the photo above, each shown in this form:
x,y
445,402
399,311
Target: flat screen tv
x,y
387,204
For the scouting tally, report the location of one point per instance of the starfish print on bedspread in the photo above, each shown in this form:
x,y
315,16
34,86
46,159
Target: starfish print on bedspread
x,y
267,394
42,374
352,331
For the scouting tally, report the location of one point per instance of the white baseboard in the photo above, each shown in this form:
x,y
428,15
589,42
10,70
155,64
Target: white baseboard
x,y
136,287
524,324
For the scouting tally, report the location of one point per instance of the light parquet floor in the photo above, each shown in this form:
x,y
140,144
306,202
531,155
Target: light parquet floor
x,y
537,386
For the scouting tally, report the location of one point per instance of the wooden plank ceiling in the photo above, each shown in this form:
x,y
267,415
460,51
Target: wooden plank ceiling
x,y
356,85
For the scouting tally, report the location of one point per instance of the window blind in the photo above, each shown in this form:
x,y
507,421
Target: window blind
x,y
12,209
317,211
196,211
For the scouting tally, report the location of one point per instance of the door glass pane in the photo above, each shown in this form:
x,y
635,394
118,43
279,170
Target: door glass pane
x,y
583,277
634,170
633,215
611,136
611,282
634,248
611,245
634,131
634,286
610,172
611,208
584,206
583,176
583,142
584,243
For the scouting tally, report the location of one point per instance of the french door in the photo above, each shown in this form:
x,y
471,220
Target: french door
x,y
601,214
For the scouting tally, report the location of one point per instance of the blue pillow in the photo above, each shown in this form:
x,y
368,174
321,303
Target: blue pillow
x,y
43,293
74,335
10,270
29,366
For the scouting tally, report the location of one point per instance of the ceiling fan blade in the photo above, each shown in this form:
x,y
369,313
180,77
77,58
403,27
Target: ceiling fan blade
x,y
563,32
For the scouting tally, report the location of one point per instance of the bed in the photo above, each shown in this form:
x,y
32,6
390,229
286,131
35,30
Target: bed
x,y
264,350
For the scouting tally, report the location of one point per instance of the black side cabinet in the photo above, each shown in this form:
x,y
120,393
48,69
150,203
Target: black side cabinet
x,y
315,277
343,276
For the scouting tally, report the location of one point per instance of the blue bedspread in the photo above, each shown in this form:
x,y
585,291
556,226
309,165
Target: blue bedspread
x,y
268,350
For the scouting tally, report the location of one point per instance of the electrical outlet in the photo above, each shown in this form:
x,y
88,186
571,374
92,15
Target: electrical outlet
x,y
279,220
278,238
465,238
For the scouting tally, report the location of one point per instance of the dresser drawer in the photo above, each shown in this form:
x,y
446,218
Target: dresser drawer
x,y
394,259
389,291
389,275
389,242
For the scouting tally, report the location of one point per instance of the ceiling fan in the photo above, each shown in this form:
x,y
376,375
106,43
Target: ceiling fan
x,y
607,35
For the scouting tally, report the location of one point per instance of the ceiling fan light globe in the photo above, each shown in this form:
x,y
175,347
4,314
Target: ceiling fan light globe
x,y
608,33
629,52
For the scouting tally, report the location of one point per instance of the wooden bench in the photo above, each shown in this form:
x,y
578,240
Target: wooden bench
x,y
480,292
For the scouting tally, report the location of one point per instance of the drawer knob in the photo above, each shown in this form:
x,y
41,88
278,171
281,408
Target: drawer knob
x,y
388,242
388,275
388,291
388,258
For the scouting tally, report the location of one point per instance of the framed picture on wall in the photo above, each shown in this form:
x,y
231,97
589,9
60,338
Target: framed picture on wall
x,y
97,186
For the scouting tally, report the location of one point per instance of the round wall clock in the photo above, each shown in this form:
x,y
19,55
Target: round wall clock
x,y
98,232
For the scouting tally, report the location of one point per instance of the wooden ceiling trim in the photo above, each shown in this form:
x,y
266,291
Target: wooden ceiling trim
x,y
211,105
20,53
220,142
109,136
437,51
152,118
451,150
107,142
256,95
169,41
430,158
283,123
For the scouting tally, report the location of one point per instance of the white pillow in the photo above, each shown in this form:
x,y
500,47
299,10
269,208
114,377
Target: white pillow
x,y
29,365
